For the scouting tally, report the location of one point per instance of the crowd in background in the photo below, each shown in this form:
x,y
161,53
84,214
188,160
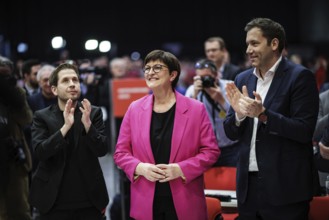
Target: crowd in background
x,y
128,67
33,75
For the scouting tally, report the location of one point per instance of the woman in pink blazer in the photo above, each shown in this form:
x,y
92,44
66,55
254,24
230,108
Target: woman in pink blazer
x,y
166,143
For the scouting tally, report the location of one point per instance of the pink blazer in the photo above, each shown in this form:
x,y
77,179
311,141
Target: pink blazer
x,y
194,148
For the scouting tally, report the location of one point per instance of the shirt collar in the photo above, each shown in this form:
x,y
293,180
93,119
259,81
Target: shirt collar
x,y
271,70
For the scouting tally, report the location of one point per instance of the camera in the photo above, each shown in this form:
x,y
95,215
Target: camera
x,y
208,81
98,72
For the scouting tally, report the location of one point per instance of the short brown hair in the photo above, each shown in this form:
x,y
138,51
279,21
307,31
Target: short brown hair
x,y
220,41
270,30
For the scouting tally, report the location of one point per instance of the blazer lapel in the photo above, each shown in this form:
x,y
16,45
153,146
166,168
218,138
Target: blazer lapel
x,y
276,83
56,117
251,85
145,120
180,122
77,125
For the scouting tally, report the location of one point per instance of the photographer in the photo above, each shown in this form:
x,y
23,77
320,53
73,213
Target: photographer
x,y
210,90
15,157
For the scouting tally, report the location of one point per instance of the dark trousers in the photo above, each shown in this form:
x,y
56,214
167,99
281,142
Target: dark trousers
x,y
256,206
164,209
90,213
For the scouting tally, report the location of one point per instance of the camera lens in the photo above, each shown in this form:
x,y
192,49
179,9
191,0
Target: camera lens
x,y
208,81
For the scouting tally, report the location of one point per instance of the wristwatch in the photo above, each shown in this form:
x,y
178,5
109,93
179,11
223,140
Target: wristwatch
x,y
263,116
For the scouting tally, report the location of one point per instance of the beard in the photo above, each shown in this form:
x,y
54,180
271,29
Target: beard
x,y
10,94
34,84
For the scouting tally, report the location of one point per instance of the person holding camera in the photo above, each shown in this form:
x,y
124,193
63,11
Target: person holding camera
x,y
209,89
15,156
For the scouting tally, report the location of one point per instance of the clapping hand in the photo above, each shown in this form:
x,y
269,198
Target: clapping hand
x,y
242,104
68,115
216,94
85,109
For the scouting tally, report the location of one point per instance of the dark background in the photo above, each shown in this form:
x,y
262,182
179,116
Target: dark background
x,y
178,26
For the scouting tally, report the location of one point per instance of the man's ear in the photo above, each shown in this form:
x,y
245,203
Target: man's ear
x,y
54,90
275,44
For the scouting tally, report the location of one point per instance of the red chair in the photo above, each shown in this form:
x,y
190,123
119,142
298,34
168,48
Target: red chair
x,y
222,178
213,207
319,208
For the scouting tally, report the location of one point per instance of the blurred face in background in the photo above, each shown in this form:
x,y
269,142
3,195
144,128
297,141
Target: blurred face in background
x,y
118,68
32,77
214,52
44,84
205,72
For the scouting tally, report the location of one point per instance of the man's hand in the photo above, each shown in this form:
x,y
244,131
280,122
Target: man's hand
x,y
324,151
216,94
68,115
251,107
234,95
197,84
242,104
172,171
150,171
86,110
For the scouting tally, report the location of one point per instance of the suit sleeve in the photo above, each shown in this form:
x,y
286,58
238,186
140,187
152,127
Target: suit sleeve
x,y
325,137
322,120
45,145
208,150
303,111
96,139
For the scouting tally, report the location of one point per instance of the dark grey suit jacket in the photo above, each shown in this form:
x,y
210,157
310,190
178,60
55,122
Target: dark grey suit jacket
x,y
230,71
283,145
323,115
50,148
322,131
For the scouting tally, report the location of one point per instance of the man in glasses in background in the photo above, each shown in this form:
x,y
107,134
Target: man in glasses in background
x,y
209,88
215,50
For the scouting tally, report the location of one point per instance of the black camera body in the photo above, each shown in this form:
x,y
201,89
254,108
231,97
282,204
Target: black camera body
x,y
208,81
99,72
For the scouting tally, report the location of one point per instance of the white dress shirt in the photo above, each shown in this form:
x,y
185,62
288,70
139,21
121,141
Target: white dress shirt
x,y
263,85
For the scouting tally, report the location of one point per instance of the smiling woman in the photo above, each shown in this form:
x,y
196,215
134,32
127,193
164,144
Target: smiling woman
x,y
165,144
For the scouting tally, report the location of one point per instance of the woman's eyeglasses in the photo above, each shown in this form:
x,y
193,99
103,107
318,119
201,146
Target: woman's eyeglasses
x,y
156,68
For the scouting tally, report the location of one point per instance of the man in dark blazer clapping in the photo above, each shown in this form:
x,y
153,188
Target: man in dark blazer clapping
x,y
274,107
67,139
